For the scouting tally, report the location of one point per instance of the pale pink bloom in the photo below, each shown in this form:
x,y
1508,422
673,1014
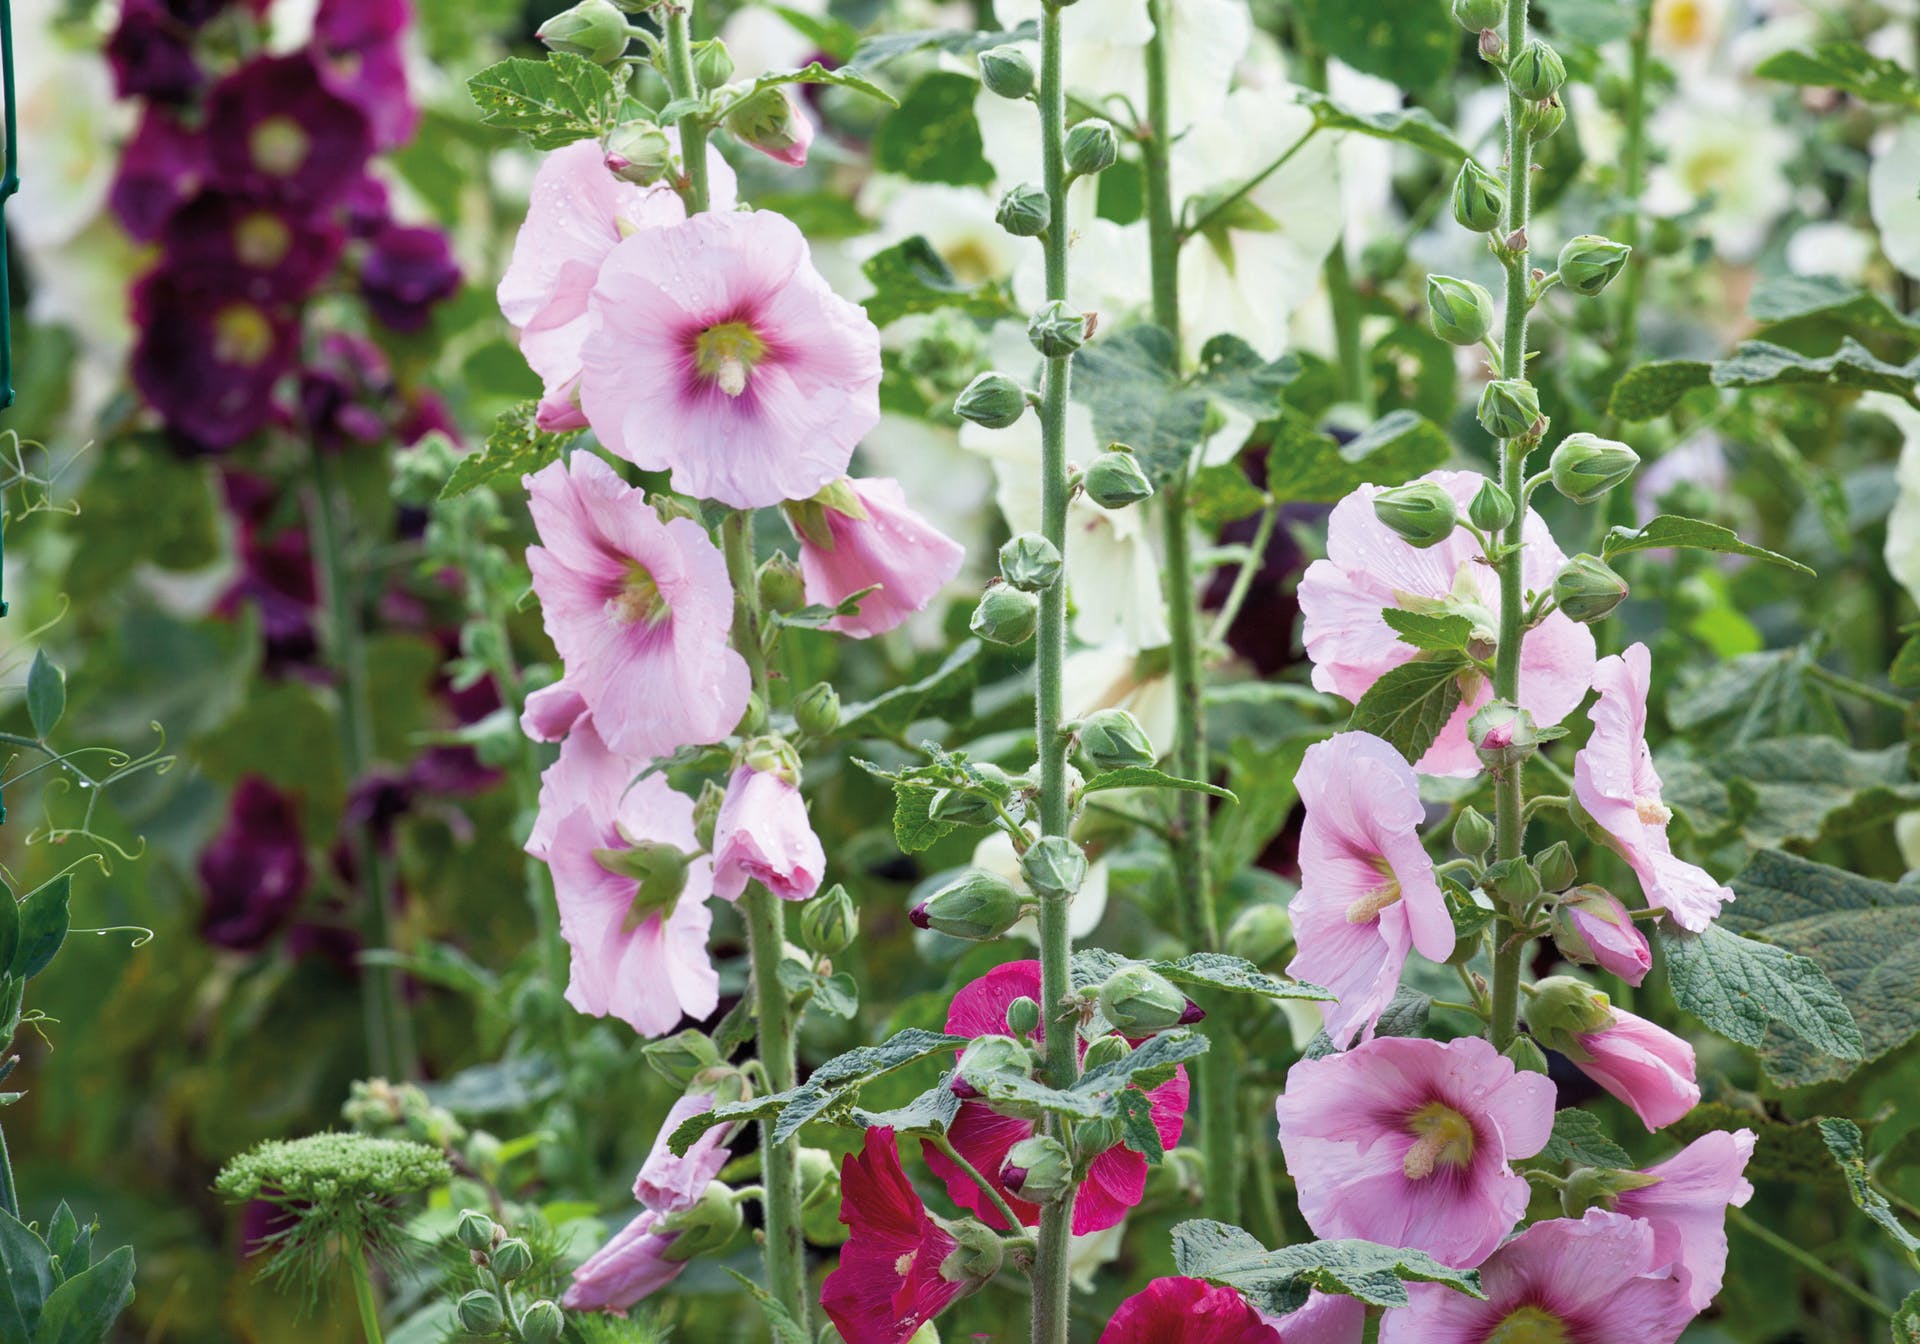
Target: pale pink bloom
x,y
1187,1311
576,213
762,835
1328,1318
551,711
640,610
718,353
587,774
1646,1066
1406,1142
1688,1208
1369,569
1598,1281
631,1266
1592,928
1367,888
668,1184
869,538
1615,782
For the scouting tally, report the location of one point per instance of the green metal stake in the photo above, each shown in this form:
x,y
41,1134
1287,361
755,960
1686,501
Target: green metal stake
x,y
9,183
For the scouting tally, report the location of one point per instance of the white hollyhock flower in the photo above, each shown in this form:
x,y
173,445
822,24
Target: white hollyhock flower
x,y
1089,905
1903,523
1891,196
1830,248
70,130
1723,148
957,221
1120,678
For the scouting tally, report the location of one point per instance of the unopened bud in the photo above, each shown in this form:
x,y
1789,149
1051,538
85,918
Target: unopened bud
x,y
1589,263
1459,311
1491,44
1503,735
1511,882
754,718
1056,331
986,1056
511,1258
817,711
1115,480
712,64
1420,513
542,1322
1109,1049
992,401
706,1226
1139,1002
769,122
1023,1016
1030,563
1540,120
1556,867
1491,509
475,1230
782,587
1092,146
976,1254
1585,466
479,1313
1472,833
770,755
1479,200
1588,590
639,152
1006,71
1112,739
829,922
706,812
1260,933
1006,616
1563,1009
681,1057
1536,71
977,906
1054,868
1526,1056
1509,408
1592,928
1600,1188
1024,211
595,29
962,807
1479,15
1038,1169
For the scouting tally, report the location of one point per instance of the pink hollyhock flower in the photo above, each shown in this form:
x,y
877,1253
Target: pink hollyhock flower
x,y
1328,1318
1116,1179
1369,569
1598,1281
1592,928
762,835
666,1183
1646,1066
1687,1209
1367,889
1615,782
888,1283
859,534
576,214
628,1268
1187,1311
717,352
588,774
551,711
639,609
1406,1142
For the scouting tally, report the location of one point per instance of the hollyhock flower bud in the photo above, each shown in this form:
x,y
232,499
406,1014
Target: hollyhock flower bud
x,y
1054,868
977,906
829,922
990,1055
682,1057
475,1230
817,711
1526,1056
1479,199
1509,408
595,29
1491,509
1023,1016
479,1313
542,1322
704,1226
712,64
639,152
1588,590
1479,15
1024,211
1542,119
1472,833
1259,933
1140,1002
1112,739
1586,466
769,122
1592,928
1556,867
762,835
962,807
1108,1049
1644,1065
1491,45
1459,311
1030,563
1503,735
1092,146
1536,71
1511,883
1564,1008
511,1259
888,1282
1038,1169
1589,263
977,1255
1056,331
992,401
1420,513
1006,71
782,585
1116,480
1686,1203
1598,1188
1006,616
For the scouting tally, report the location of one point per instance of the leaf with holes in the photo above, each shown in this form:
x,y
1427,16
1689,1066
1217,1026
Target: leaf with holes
x,y
552,102
515,446
1277,1282
1409,705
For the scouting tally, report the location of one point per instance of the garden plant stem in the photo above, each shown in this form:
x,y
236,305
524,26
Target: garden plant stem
x,y
363,1294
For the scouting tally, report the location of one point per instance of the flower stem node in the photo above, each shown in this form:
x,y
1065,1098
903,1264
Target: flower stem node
x,y
1503,735
1473,833
1023,1016
1420,513
1479,198
1056,331
1054,868
639,152
1585,466
1564,1008
1039,1169
1093,146
1115,480
1526,1056
829,922
1024,211
1030,563
1491,509
511,1259
1477,16
1556,867
992,401
1589,263
817,711
1112,739
976,906
1260,933
1459,311
1536,71
1140,1002
542,1322
595,29
769,122
480,1313
1007,72
1588,589
706,1226
976,1255
1509,408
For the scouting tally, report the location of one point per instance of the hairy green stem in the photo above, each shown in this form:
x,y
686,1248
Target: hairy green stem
x,y
693,131
363,1294
987,1187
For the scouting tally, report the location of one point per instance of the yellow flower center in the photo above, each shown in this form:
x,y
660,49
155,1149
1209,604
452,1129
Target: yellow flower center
x,y
1530,1325
1368,907
262,240
638,600
1681,23
1652,811
278,146
1442,1138
726,353
242,335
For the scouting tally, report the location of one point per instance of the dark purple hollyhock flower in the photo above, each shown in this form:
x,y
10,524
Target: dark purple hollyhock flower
x,y
284,135
161,166
253,873
151,52
374,79
346,392
269,254
341,26
365,208
277,574
406,271
208,356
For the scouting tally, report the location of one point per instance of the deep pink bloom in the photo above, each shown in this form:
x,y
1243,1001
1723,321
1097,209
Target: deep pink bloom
x,y
1369,569
162,165
860,534
717,352
365,64
1592,928
1615,782
888,1283
1646,1066
639,609
667,1184
254,871
762,835
1187,1311
628,1268
405,272
284,135
1406,1142
1367,888
576,214
1688,1208
1116,1179
1596,1281
551,711
208,358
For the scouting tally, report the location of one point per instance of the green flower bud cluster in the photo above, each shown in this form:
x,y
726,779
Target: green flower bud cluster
x,y
595,29
1112,739
1116,480
1005,615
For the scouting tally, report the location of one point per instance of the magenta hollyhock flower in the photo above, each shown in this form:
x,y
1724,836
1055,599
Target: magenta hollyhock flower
x,y
1367,888
254,871
551,711
666,1183
631,1266
407,269
1596,1281
151,54
577,213
1615,783
373,78
1592,928
888,1283
208,359
260,250
1369,569
865,536
1687,1209
284,135
1116,1178
718,353
347,392
1646,1066
762,835
1187,1311
639,609
1406,1142
163,164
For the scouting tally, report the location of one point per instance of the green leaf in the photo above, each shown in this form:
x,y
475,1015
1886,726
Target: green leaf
x,y
1850,1151
1739,987
1651,390
1236,975
785,1329
515,446
1763,364
1406,1016
944,693
1754,696
763,1107
552,102
1409,705
932,1112
816,73
1791,792
1222,494
1410,126
1137,1129
1161,1051
1790,304
933,136
43,928
1013,1090
1411,45
1906,1321
1307,467
1131,384
1846,66
910,277
1146,777
500,1086
1277,1282
9,929
26,1278
885,47
1672,531
855,1068
1231,371
1592,23
837,996
1905,672
83,1309
1434,632
914,828
1581,1139
46,694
